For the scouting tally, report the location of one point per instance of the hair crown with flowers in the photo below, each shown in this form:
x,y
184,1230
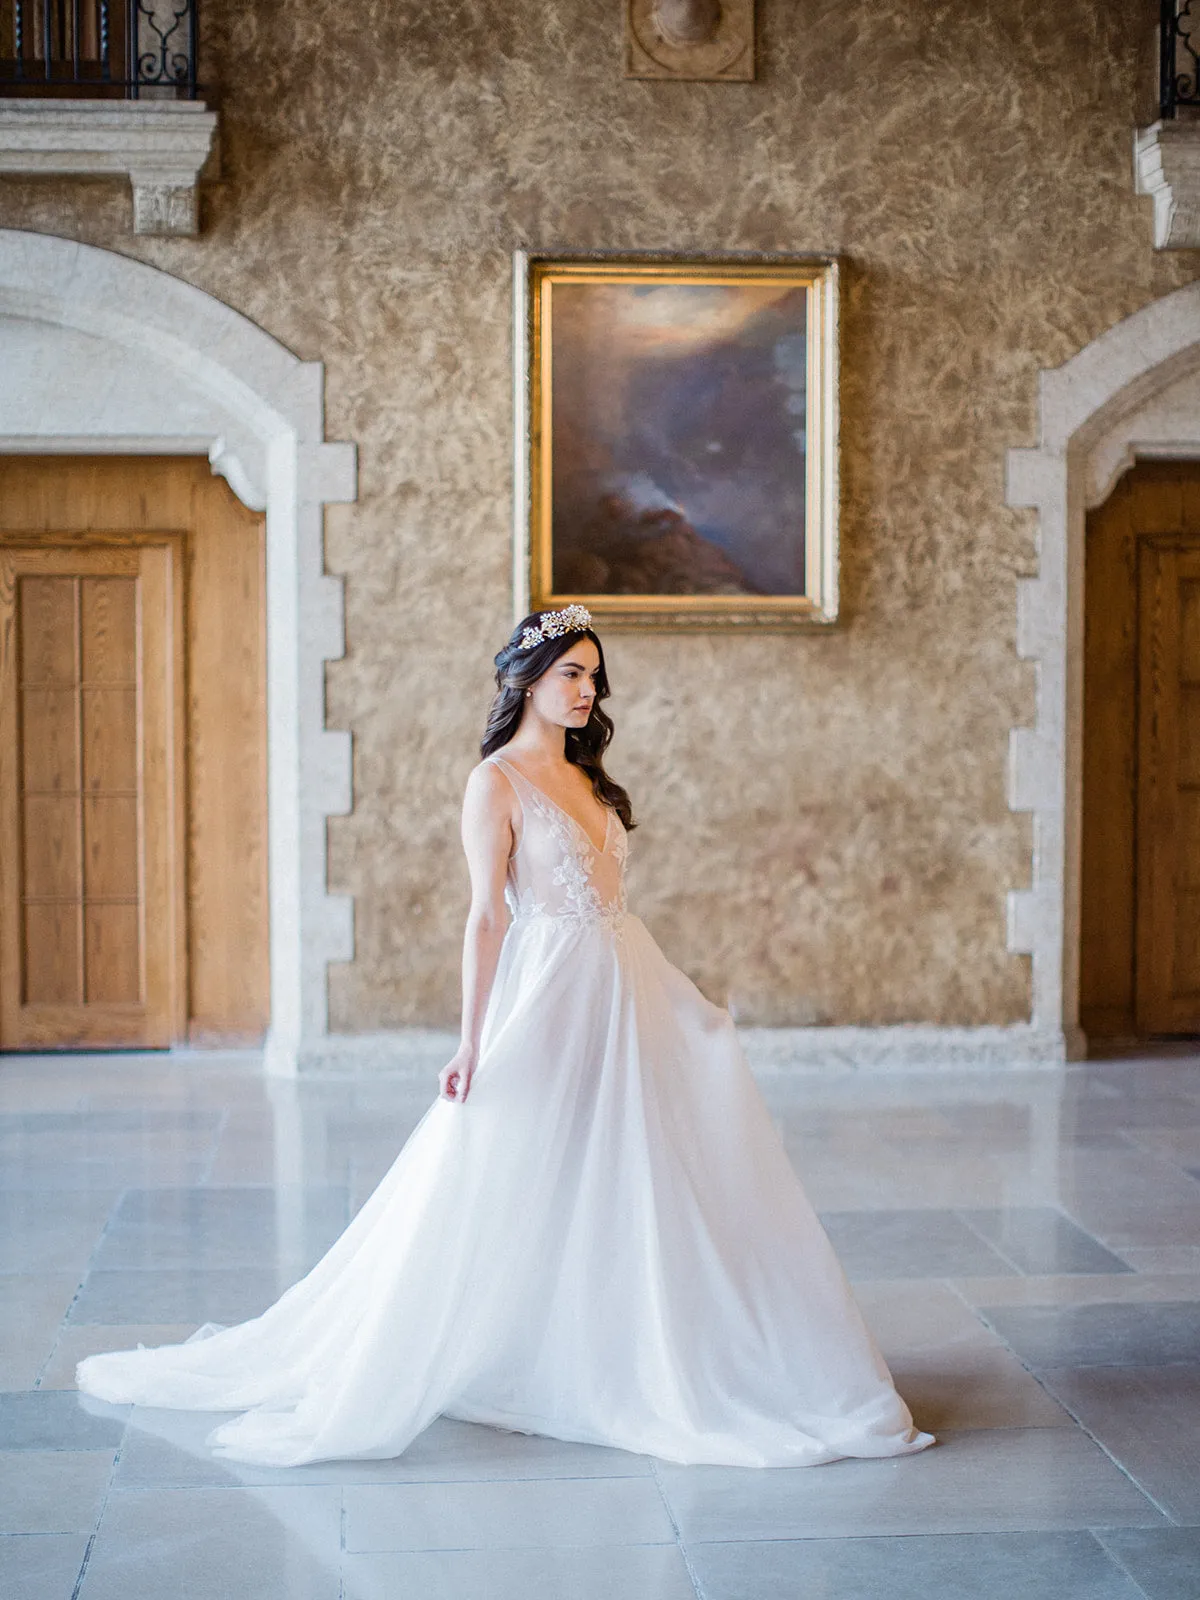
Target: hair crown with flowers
x,y
553,624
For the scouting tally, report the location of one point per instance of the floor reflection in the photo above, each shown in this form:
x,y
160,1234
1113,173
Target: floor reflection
x,y
1026,1246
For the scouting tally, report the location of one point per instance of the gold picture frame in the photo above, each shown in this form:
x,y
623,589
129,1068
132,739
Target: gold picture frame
x,y
676,456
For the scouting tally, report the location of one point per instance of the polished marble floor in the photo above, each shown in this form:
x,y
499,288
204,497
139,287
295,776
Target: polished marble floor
x,y
1026,1247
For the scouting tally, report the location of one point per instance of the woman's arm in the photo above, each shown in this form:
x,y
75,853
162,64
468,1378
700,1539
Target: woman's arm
x,y
487,835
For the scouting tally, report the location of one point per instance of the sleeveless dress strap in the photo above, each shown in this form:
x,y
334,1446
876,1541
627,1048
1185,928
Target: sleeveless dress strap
x,y
515,779
515,776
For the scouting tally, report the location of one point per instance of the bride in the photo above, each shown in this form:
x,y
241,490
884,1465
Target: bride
x,y
594,1232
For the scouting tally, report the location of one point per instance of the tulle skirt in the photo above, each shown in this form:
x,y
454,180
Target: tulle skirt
x,y
606,1243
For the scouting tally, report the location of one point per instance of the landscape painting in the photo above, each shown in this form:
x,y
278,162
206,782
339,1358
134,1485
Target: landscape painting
x,y
682,443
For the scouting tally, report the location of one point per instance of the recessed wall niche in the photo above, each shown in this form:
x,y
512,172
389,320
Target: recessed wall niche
x,y
708,40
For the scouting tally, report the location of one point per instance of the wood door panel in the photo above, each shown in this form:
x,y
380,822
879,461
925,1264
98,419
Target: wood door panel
x,y
50,763
111,938
108,630
50,847
111,846
82,650
109,739
79,868
53,950
48,642
1132,695
1168,809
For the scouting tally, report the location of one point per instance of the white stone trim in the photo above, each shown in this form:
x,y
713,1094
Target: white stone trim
x,y
159,145
1132,392
104,355
421,1052
912,1047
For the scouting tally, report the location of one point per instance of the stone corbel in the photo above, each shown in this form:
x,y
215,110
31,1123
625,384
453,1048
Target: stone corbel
x,y
1166,166
159,145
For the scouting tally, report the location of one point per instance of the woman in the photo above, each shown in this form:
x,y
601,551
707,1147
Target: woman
x,y
594,1233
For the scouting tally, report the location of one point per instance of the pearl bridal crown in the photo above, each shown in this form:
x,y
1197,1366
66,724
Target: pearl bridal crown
x,y
571,619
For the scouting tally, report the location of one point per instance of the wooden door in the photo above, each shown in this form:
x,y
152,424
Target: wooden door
x,y
1168,789
1140,884
124,509
88,678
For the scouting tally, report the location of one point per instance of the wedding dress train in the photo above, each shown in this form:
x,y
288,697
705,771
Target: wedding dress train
x,y
605,1243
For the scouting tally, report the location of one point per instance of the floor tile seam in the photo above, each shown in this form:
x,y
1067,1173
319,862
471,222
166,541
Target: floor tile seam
x,y
531,1544
532,1477
161,1487
964,1530
1118,1249
990,1243
888,1537
268,1264
684,1556
1120,1465
1131,1136
104,1499
166,1188
43,1533
1128,1366
982,1313
30,1272
1112,1555
83,1566
1103,1239
980,1327
978,1314
79,1288
51,1449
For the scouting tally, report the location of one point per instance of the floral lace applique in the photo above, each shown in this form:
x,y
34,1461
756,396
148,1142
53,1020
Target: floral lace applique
x,y
581,899
621,855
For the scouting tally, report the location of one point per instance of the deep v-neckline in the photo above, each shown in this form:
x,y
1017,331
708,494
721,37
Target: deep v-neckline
x,y
597,849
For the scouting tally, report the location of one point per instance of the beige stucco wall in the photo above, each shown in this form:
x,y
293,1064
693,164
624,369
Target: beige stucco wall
x,y
825,836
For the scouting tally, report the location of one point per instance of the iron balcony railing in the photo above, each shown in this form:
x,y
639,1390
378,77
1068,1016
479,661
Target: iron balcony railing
x,y
98,49
1179,56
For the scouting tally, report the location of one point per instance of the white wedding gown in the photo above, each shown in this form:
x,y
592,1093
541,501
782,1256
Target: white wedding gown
x,y
605,1243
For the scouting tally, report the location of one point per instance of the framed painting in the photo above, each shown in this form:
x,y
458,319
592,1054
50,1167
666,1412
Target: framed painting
x,y
677,440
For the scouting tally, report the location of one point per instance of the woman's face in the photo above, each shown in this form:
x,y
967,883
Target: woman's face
x,y
566,692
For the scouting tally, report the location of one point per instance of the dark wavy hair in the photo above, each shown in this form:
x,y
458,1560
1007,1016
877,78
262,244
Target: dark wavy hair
x,y
518,670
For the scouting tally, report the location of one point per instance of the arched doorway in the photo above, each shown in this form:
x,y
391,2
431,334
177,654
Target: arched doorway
x,y
103,355
1132,395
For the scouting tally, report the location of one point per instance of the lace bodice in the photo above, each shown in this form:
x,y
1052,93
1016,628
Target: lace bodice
x,y
555,869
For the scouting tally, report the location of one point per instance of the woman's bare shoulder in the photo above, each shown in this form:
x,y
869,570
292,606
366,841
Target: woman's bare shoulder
x,y
488,785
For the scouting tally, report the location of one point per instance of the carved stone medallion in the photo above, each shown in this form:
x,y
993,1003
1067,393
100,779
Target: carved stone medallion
x,y
699,39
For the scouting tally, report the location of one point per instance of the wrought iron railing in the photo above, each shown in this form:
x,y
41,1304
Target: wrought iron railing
x,y
1179,56
89,49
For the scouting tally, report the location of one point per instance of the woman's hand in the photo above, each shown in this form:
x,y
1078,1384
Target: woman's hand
x,y
454,1080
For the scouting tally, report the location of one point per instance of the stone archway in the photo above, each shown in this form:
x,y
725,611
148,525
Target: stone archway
x,y
1134,392
105,355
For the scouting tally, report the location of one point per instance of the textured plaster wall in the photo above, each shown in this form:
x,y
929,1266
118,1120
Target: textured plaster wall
x,y
825,836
